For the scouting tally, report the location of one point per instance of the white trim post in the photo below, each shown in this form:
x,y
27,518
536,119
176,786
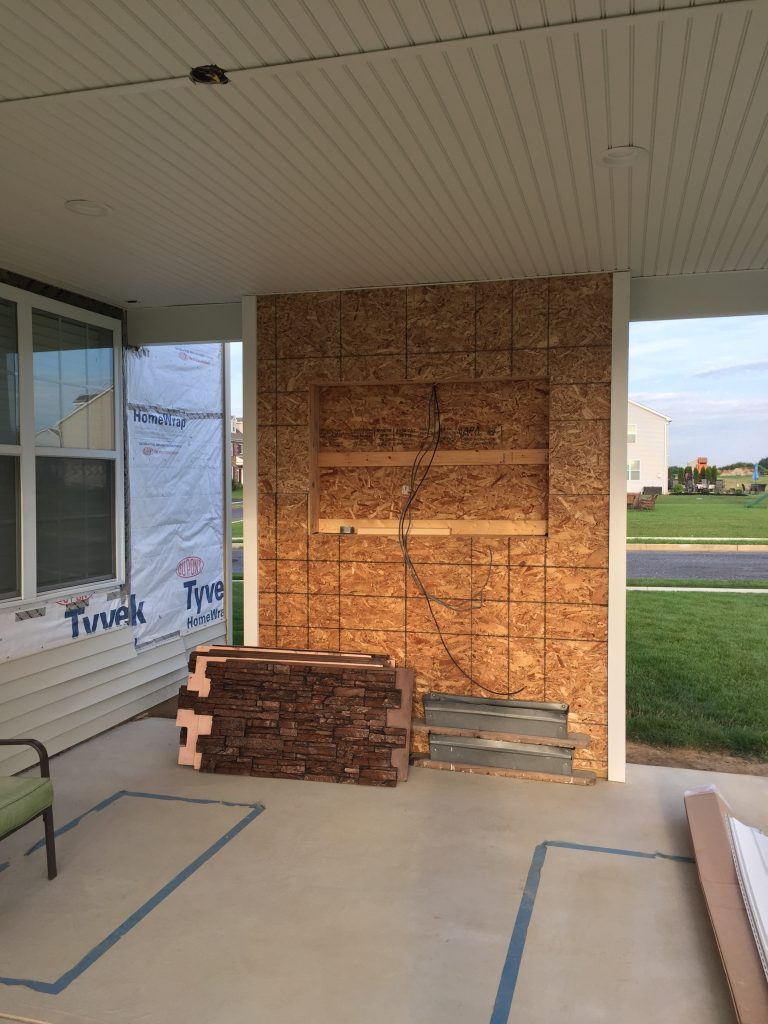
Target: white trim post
x,y
227,473
250,477
617,537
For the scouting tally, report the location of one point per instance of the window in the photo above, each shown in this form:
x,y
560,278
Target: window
x,y
633,470
61,475
631,433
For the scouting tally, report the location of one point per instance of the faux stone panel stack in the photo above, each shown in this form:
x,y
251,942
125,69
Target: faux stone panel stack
x,y
319,716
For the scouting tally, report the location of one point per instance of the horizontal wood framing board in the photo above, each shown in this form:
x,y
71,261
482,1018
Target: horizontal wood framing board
x,y
355,478
440,527
574,740
578,778
453,457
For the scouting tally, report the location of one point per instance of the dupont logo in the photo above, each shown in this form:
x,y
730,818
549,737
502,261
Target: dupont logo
x,y
148,450
183,355
190,566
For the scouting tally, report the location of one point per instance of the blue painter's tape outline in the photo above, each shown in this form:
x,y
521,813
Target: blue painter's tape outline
x,y
510,972
56,987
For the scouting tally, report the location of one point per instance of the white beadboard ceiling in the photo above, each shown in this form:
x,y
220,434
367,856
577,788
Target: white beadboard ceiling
x,y
375,142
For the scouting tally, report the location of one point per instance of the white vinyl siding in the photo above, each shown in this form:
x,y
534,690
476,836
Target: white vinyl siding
x,y
648,451
71,693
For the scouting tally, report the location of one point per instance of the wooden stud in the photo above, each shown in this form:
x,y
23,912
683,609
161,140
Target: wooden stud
x,y
441,527
443,457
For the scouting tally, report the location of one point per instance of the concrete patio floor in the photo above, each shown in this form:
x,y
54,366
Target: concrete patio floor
x,y
344,904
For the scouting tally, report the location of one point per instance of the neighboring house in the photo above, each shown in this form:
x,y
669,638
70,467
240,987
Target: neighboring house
x,y
647,446
236,440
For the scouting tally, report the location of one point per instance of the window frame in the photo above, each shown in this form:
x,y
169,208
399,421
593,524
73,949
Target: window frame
x,y
632,429
630,463
27,450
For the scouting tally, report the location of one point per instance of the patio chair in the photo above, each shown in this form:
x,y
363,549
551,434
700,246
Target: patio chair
x,y
647,502
22,800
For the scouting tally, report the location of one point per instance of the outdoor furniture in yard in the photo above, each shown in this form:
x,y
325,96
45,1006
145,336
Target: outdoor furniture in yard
x,y
22,800
647,502
632,500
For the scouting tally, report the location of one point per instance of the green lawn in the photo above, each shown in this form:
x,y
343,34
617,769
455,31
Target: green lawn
x,y
237,530
697,671
237,492
237,608
683,515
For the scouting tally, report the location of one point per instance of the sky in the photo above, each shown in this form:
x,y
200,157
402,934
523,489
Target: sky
x,y
711,377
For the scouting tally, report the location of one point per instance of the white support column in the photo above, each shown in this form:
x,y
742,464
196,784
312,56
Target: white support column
x,y
617,539
227,468
250,476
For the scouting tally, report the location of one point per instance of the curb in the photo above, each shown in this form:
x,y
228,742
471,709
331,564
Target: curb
x,y
698,547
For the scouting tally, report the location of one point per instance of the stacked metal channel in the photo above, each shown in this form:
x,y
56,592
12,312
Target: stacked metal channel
x,y
510,717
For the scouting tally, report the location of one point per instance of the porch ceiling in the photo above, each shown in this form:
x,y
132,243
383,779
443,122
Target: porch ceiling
x,y
374,144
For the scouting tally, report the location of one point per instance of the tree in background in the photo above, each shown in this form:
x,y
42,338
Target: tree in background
x,y
713,474
695,474
680,475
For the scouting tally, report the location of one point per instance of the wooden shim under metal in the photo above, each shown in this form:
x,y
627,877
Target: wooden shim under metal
x,y
441,527
574,740
578,778
453,457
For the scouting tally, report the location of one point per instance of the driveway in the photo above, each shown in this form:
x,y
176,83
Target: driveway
x,y
698,565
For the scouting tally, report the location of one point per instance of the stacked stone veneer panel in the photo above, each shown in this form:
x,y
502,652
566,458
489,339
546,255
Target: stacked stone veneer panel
x,y
247,712
542,633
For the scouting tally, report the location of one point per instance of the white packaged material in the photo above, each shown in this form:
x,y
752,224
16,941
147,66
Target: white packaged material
x,y
750,855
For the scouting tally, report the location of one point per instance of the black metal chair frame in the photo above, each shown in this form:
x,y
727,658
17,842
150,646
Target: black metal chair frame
x,y
47,814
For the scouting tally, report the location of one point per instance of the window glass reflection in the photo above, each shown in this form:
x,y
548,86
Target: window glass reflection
x,y
9,526
75,521
9,374
74,383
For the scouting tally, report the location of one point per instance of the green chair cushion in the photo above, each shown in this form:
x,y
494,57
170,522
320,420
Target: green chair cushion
x,y
21,800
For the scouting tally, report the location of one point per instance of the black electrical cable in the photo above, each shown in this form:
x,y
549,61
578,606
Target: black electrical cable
x,y
428,451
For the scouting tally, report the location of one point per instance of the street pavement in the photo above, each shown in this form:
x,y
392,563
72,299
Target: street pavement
x,y
698,565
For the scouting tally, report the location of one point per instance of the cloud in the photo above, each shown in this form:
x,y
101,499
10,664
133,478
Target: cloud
x,y
720,371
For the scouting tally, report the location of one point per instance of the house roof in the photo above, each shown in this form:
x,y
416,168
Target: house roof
x,y
647,408
364,144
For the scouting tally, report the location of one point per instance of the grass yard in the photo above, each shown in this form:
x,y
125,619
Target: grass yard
x,y
697,671
237,530
237,492
237,608
680,515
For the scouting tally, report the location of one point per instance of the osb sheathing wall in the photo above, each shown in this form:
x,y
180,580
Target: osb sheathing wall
x,y
542,632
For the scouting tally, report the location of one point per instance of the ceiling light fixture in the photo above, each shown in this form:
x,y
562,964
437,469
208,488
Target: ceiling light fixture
x,y
87,208
623,156
208,74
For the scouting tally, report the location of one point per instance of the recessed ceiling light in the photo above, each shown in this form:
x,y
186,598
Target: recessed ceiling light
x,y
208,74
88,208
623,156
